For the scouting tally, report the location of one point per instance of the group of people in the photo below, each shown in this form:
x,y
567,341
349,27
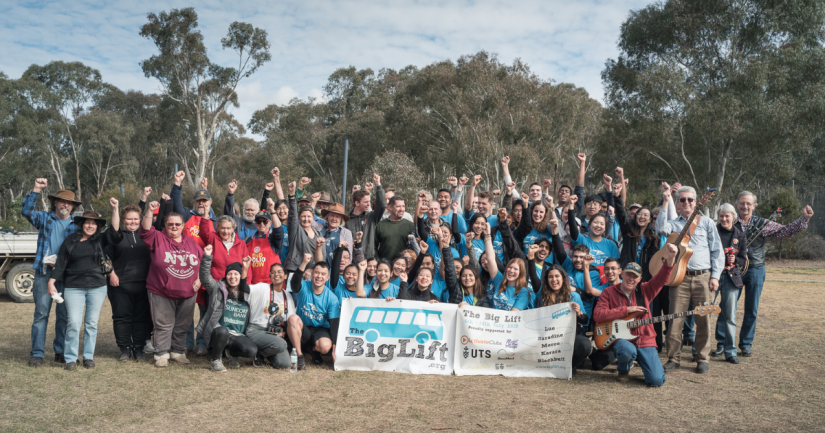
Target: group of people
x,y
270,277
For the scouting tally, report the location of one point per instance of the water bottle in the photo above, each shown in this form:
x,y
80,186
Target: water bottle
x,y
293,361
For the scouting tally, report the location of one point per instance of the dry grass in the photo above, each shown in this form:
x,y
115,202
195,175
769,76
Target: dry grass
x,y
779,389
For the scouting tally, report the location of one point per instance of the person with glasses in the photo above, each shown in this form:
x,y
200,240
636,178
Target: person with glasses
x,y
704,268
172,283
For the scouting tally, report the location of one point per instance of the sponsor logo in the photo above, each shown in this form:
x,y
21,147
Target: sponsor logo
x,y
465,340
563,312
475,353
511,344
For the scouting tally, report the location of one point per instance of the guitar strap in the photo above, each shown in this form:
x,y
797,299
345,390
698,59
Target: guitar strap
x,y
640,298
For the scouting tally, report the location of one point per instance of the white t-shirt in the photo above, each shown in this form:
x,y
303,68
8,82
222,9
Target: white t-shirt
x,y
258,299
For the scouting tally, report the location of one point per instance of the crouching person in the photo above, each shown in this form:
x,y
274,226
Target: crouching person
x,y
270,307
227,316
315,326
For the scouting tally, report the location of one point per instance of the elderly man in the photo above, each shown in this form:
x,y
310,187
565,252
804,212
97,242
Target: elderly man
x,y
754,278
246,223
702,277
53,226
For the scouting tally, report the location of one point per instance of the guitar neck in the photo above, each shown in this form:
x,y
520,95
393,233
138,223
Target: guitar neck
x,y
638,323
686,228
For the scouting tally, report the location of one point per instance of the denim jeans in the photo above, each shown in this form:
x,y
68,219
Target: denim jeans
x,y
753,280
726,322
76,301
42,309
191,340
647,357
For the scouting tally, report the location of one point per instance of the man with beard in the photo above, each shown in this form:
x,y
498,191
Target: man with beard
x,y
53,226
445,200
246,222
362,219
201,208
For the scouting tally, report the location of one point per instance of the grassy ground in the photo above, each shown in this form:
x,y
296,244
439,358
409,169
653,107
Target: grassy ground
x,y
779,389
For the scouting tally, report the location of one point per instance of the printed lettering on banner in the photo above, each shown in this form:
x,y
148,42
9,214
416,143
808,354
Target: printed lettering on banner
x,y
403,336
531,343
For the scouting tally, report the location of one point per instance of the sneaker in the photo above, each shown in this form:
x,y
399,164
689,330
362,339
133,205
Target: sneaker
x,y
718,352
178,358
217,366
258,362
35,362
316,358
746,353
301,364
138,354
125,354
670,366
702,367
58,357
149,348
70,366
161,361
732,360
88,364
624,378
201,351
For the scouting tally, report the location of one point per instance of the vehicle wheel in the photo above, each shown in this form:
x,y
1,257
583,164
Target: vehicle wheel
x,y
422,337
20,282
371,335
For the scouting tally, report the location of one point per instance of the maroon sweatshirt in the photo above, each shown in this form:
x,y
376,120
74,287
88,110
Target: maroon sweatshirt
x,y
174,267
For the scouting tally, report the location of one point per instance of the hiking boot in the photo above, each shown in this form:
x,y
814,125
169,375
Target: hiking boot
x,y
624,378
178,358
161,361
301,364
88,364
718,352
137,354
746,353
58,357
702,367
688,342
217,366
258,362
732,360
670,366
36,362
148,347
317,359
201,351
125,354
71,366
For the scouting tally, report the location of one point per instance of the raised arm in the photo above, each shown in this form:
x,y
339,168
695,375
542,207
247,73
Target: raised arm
x,y
535,279
337,255
276,179
205,274
489,253
115,213
468,201
298,277
146,222
229,201
175,194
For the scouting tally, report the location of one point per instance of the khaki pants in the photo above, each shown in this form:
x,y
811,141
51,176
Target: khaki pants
x,y
692,289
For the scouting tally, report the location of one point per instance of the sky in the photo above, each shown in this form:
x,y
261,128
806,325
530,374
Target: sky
x,y
564,41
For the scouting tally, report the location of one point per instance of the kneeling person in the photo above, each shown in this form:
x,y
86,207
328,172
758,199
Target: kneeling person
x,y
227,315
620,300
315,324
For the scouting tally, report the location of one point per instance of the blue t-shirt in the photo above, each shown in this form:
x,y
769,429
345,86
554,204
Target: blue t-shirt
x,y
600,251
435,250
507,300
492,219
285,246
439,288
462,223
316,310
58,234
390,292
341,292
576,279
534,237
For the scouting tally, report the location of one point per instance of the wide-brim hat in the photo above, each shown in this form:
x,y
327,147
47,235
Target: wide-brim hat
x,y
65,195
336,208
89,215
325,198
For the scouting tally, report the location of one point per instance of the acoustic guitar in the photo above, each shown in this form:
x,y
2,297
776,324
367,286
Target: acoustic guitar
x,y
681,241
606,333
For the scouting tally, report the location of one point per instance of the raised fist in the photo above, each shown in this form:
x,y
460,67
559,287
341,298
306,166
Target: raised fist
x,y
476,179
307,258
269,186
469,237
208,250
423,246
305,181
291,188
113,203
455,206
362,266
808,212
146,192
505,161
233,186
152,206
581,157
204,183
40,183
403,276
547,183
165,197
502,214
358,237
270,204
355,188
608,181
276,173
368,186
320,242
496,192
463,180
452,181
179,177
376,179
510,187
246,261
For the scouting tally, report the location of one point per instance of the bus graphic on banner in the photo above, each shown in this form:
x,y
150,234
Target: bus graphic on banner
x,y
372,322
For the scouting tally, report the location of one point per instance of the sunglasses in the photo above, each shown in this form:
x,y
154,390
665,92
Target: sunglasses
x,y
687,200
173,224
259,222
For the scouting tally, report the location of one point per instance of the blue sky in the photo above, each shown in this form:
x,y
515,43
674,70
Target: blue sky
x,y
566,41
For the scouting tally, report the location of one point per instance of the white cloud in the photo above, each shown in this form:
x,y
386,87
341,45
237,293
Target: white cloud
x,y
560,40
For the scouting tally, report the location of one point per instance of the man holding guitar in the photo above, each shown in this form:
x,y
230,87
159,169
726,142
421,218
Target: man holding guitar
x,y
701,277
629,297
758,229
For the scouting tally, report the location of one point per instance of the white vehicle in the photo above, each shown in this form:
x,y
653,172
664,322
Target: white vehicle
x,y
17,251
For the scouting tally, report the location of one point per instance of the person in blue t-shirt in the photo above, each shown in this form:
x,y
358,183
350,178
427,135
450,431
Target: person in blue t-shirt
x,y
600,247
478,223
382,287
507,291
315,324
533,225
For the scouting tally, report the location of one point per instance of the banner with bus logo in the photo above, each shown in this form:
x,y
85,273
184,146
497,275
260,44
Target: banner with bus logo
x,y
402,336
531,343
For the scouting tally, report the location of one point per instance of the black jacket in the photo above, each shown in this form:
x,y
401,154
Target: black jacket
x,y
130,256
628,252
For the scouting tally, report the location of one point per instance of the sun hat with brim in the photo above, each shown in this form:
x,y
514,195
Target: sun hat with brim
x,y
89,215
336,208
65,195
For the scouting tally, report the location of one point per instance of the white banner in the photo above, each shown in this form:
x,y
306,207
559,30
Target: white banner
x,y
403,336
532,343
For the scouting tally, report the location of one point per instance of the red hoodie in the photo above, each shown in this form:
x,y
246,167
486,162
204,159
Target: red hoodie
x,y
613,305
221,258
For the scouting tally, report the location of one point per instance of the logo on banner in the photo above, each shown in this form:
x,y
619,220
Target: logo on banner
x,y
563,312
404,324
511,344
475,353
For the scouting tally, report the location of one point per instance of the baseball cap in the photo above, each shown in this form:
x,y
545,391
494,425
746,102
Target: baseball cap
x,y
264,215
202,194
635,205
633,268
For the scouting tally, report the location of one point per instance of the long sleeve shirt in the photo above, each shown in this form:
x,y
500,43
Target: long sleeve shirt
x,y
775,230
705,243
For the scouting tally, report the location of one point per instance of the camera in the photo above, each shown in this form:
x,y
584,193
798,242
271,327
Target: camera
x,y
276,323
